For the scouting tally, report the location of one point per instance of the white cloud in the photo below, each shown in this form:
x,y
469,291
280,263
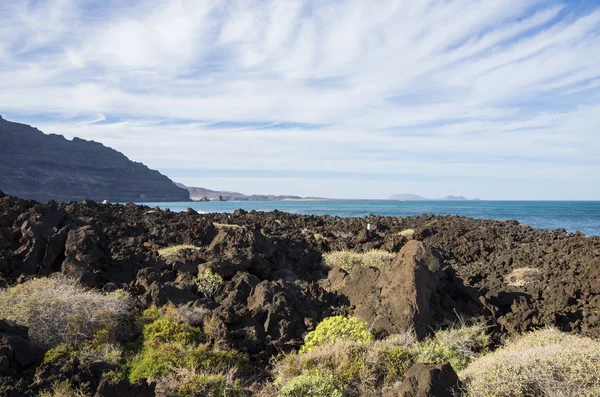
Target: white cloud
x,y
434,89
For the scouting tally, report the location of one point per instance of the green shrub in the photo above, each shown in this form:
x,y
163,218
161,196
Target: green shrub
x,y
86,352
313,386
458,346
363,368
349,259
63,389
171,347
59,352
392,361
543,363
334,329
208,385
60,310
169,330
209,283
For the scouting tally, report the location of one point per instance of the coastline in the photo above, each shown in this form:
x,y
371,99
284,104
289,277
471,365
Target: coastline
x,y
272,266
569,215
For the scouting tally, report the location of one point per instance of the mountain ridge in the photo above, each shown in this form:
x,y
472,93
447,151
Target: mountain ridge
x,y
43,167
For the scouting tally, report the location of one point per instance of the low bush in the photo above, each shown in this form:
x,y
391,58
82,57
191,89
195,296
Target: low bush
x,y
457,346
209,283
342,349
337,328
543,363
192,384
60,310
63,389
172,349
349,259
174,250
362,368
313,386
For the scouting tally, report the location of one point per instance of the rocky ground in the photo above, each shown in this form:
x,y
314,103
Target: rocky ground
x,y
277,288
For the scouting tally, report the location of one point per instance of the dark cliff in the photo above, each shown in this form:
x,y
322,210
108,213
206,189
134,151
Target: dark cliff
x,y
42,166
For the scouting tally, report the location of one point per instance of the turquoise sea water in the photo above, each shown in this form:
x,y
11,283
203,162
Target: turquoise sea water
x,y
570,215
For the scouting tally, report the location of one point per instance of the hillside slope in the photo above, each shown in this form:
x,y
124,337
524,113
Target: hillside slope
x,y
42,166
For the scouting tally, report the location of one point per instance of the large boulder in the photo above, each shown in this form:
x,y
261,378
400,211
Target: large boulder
x,y
84,255
395,298
427,380
16,351
123,388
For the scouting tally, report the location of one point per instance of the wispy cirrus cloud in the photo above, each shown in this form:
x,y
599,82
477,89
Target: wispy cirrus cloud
x,y
499,99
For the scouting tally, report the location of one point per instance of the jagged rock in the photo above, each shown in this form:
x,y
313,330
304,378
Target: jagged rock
x,y
427,380
43,167
32,233
16,351
396,298
55,248
123,388
83,255
160,294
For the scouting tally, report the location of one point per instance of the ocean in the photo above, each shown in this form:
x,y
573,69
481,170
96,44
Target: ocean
x,y
572,216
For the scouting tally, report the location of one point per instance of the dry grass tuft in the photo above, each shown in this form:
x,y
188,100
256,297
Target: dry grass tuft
x,y
226,226
174,250
63,389
408,233
522,276
215,330
348,259
60,310
545,363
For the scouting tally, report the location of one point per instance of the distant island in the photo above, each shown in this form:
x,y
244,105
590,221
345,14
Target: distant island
x,y
414,197
203,194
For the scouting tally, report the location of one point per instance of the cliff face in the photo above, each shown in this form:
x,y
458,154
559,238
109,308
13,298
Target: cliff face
x,y
39,166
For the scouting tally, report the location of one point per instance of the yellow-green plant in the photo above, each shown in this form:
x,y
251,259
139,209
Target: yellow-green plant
x,y
457,346
170,346
63,389
209,385
317,385
337,328
360,367
209,283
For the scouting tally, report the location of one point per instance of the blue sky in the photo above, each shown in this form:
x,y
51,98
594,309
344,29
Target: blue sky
x,y
488,99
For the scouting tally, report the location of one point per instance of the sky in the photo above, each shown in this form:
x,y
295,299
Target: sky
x,y
495,99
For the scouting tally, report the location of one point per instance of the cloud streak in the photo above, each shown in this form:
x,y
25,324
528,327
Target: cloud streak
x,y
436,89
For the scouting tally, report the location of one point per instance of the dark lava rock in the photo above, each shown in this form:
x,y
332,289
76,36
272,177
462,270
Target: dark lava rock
x,y
123,388
427,380
275,287
16,351
396,298
18,358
